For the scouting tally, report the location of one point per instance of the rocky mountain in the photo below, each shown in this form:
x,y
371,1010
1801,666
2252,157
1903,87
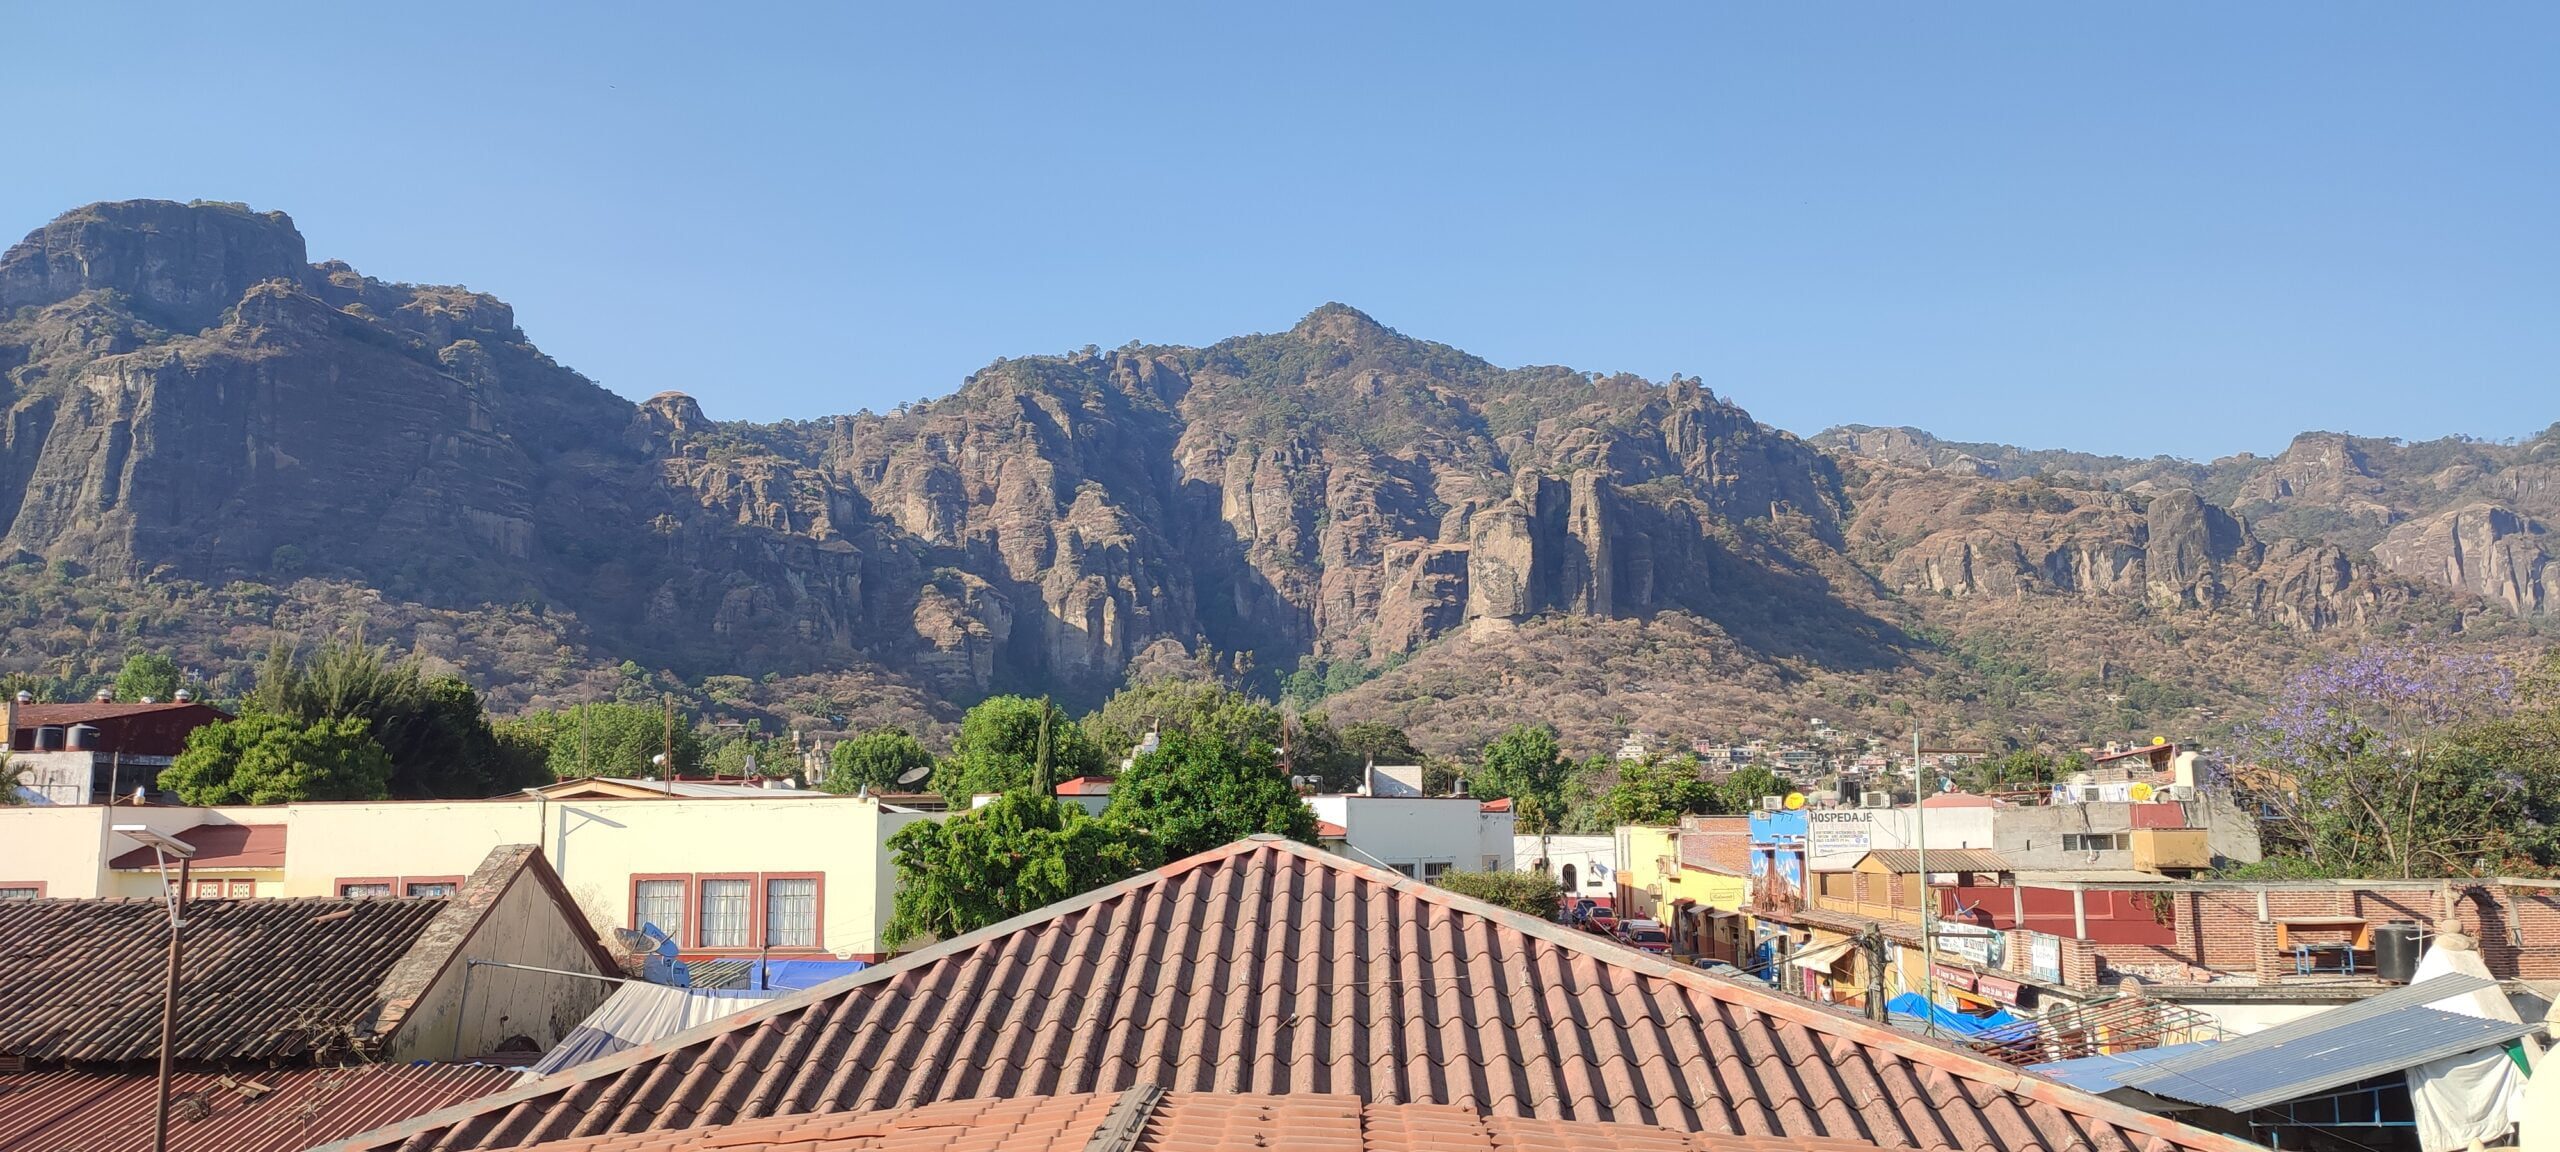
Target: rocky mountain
x,y
199,414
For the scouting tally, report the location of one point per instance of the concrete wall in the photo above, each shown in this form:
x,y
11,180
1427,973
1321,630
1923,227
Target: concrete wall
x,y
1399,832
468,1011
2030,837
598,846
1651,880
1594,860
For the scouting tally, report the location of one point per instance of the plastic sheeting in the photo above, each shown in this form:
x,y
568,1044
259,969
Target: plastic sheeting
x,y
771,975
638,1014
1914,1006
2476,1095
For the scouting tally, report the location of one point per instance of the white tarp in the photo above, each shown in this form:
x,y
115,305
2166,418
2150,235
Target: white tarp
x,y
2477,1096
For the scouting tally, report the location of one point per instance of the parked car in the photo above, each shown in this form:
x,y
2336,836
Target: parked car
x,y
1644,935
1600,920
1581,911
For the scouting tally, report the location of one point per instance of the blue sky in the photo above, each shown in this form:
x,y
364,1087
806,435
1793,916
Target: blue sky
x,y
2158,228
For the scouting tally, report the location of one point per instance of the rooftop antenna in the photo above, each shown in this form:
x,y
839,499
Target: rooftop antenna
x,y
915,775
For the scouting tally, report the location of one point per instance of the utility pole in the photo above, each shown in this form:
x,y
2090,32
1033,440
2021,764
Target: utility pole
x,y
169,1007
668,773
1920,839
1873,942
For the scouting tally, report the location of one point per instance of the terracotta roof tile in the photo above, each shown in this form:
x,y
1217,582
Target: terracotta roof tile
x,y
1272,967
81,1111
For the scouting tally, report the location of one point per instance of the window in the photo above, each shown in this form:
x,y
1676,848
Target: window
x,y
430,886
2096,841
724,913
1493,863
364,889
791,912
207,890
659,902
30,890
733,911
1435,869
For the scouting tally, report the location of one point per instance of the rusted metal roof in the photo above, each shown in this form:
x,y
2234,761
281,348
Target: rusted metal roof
x,y
1905,861
220,846
1142,1120
1273,967
261,1110
80,979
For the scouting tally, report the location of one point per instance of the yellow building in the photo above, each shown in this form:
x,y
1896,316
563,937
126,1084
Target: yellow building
x,y
792,874
1653,884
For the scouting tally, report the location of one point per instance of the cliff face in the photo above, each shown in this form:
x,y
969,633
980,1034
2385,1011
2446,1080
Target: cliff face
x,y
190,397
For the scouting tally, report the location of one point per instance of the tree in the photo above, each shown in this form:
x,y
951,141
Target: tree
x,y
2024,768
1525,764
265,758
1528,893
1015,742
1023,851
1340,757
147,676
1199,707
1658,792
12,778
2364,770
606,739
878,760
434,728
1744,788
1195,793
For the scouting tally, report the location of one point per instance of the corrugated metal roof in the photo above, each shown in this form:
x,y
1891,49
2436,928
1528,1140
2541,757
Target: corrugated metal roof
x,y
80,979
1183,1122
1905,861
2386,1033
638,1014
1271,966
2106,1072
71,1111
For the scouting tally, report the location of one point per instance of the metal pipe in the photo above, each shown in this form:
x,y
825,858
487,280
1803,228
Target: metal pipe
x,y
469,964
169,1003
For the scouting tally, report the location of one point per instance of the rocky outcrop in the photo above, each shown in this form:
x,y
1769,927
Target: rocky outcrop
x,y
2487,550
179,265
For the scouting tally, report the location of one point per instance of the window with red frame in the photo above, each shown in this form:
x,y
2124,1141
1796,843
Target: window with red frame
x,y
731,911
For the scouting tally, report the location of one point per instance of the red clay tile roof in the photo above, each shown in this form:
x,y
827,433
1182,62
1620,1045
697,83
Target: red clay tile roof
x,y
1907,861
220,846
1085,786
76,1111
1501,805
1184,1122
1328,830
80,979
1270,966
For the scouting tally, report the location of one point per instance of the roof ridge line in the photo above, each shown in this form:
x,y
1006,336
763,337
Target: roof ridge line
x,y
1980,1068
802,999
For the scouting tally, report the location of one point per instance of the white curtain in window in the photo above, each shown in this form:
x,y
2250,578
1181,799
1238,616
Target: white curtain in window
x,y
791,913
724,914
661,902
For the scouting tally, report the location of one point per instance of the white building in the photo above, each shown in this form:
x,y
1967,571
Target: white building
x,y
1837,837
1418,836
1581,865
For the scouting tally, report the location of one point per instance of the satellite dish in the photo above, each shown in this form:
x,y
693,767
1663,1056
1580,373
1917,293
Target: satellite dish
x,y
2139,791
1795,800
2159,740
916,775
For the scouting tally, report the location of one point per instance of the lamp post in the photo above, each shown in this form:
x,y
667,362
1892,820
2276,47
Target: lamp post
x,y
162,847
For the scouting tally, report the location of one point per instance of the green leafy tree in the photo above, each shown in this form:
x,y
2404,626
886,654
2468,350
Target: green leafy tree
x,y
1195,793
1658,792
1528,893
1526,765
1745,787
434,728
265,758
606,739
148,675
1200,707
1022,851
1008,743
877,760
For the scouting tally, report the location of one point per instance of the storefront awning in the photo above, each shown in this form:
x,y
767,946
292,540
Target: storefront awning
x,y
1819,959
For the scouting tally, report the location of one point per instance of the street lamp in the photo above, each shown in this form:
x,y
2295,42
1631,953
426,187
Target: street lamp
x,y
162,847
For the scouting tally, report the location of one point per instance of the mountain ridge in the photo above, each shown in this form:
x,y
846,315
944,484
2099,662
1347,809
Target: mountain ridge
x,y
195,404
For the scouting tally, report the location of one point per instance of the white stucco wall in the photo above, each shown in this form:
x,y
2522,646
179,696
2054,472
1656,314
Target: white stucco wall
x,y
1409,833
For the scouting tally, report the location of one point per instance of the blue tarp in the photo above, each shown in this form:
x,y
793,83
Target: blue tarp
x,y
1912,1005
774,975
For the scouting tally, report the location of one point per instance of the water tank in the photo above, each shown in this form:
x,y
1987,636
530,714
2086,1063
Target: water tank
x,y
82,737
49,738
2395,951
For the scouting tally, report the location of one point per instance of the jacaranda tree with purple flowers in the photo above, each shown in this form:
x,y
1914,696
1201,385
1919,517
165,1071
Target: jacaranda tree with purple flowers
x,y
2367,766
